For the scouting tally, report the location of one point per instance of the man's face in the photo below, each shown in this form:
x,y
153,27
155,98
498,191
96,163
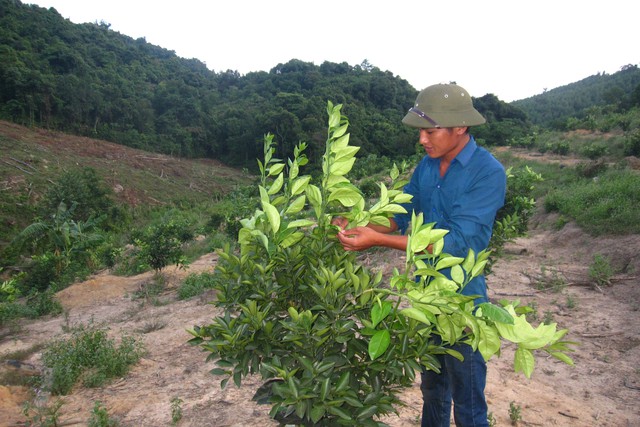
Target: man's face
x,y
442,142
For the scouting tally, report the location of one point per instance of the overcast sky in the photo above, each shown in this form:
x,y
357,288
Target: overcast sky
x,y
512,48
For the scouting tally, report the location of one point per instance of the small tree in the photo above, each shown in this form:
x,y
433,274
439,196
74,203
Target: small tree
x,y
334,343
161,245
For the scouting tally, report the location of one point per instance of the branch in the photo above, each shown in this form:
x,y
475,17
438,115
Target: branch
x,y
18,167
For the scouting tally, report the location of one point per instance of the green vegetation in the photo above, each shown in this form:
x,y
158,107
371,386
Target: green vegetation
x,y
515,413
600,271
43,415
176,410
100,417
196,284
90,356
607,204
333,343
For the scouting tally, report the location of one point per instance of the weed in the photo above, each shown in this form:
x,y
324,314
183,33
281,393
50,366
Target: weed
x,y
89,354
600,271
491,420
548,317
571,302
515,413
196,284
176,410
43,416
100,417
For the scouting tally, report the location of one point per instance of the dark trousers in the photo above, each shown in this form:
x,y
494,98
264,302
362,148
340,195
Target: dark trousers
x,y
464,383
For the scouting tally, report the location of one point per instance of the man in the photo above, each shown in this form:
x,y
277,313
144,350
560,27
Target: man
x,y
459,186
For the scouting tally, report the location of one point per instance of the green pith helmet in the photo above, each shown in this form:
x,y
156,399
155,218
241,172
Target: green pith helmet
x,y
443,106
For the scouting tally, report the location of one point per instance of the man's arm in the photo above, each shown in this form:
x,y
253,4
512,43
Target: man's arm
x,y
361,238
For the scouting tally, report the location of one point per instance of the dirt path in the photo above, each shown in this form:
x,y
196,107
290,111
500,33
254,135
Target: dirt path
x,y
603,389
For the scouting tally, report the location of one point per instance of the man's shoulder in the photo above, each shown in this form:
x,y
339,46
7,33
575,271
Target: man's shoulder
x,y
485,159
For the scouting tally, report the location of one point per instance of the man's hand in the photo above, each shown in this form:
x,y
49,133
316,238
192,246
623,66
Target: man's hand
x,y
358,239
340,222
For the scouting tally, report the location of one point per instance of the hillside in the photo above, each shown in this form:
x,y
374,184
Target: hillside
x,y
30,159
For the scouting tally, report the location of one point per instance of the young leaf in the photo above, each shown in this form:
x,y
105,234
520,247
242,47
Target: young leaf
x,y
272,215
523,361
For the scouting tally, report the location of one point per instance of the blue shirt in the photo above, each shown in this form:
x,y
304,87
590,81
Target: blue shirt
x,y
465,202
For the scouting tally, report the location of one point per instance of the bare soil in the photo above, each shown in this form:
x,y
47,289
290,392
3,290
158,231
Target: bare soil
x,y
602,389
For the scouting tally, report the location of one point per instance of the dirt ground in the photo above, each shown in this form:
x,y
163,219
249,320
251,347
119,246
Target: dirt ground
x,y
602,389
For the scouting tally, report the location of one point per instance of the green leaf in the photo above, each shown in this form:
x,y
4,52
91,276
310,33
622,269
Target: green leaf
x,y
562,357
317,412
495,313
457,274
314,195
301,223
468,262
416,314
273,215
345,153
341,142
448,261
402,198
340,131
379,312
324,388
524,361
489,342
341,167
296,206
346,196
300,185
277,185
478,268
343,381
339,412
379,343
292,239
276,169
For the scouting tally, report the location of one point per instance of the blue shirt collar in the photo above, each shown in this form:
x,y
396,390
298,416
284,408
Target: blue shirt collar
x,y
465,155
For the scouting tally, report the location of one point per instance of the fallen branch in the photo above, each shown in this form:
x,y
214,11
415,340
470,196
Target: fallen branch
x,y
632,387
24,163
608,334
514,294
564,414
18,167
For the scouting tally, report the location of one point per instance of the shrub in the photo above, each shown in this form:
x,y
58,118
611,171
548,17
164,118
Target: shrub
x,y
91,355
594,151
632,143
334,344
161,245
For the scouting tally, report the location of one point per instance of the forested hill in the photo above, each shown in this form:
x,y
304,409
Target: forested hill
x,y
89,80
552,108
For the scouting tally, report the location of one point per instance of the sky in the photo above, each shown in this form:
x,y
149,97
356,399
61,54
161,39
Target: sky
x,y
513,49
